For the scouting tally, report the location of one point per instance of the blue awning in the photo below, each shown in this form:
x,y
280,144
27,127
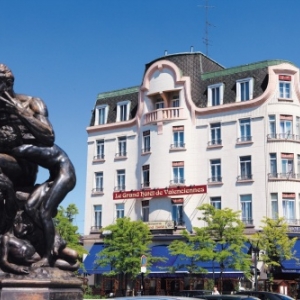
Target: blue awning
x,y
292,265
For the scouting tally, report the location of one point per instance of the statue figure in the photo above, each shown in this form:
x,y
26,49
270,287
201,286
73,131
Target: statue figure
x,y
27,142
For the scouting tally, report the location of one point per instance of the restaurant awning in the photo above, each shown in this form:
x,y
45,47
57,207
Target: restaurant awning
x,y
292,265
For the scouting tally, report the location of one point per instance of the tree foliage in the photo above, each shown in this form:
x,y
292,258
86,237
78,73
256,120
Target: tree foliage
x,y
127,242
66,229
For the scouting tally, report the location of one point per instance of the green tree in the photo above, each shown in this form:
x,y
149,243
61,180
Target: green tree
x,y
274,240
66,229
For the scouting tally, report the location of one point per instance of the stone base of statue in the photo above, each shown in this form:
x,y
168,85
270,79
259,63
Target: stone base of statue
x,y
41,284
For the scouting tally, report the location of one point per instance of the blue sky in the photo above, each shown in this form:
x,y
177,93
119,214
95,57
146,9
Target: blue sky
x,y
68,51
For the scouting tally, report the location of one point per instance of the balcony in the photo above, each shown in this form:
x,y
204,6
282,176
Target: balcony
x,y
177,181
120,188
214,143
164,114
283,137
95,229
99,157
284,176
97,191
145,185
146,150
177,146
214,180
121,155
244,140
245,178
247,221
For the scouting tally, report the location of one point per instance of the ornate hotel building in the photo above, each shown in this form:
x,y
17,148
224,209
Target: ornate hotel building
x,y
195,132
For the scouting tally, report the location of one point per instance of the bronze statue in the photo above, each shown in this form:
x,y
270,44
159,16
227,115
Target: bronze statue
x,y
27,142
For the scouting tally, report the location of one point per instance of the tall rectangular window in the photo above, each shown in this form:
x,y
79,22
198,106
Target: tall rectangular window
x,y
178,137
272,127
298,128
288,207
101,114
287,165
99,149
244,89
285,86
286,126
298,166
245,130
175,101
178,172
246,207
215,169
274,206
177,213
123,109
120,212
273,165
97,216
146,176
120,180
122,145
145,211
216,202
98,182
146,141
159,103
215,94
245,166
215,134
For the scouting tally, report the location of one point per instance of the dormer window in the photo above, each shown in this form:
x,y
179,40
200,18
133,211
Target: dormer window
x,y
244,89
215,94
123,109
285,86
101,113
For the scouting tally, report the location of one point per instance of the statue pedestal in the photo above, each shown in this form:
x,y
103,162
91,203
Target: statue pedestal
x,y
41,284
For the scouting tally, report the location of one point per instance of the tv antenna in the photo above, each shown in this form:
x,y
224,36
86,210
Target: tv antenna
x,y
207,25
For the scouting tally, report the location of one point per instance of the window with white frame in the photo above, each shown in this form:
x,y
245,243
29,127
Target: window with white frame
x,y
159,103
215,94
245,130
122,146
288,207
215,202
146,176
246,208
297,128
287,165
215,169
101,113
98,182
273,165
123,109
178,137
274,206
97,216
175,100
120,211
244,89
145,211
99,149
178,172
286,126
245,167
177,212
272,127
120,180
146,141
285,86
215,134
298,166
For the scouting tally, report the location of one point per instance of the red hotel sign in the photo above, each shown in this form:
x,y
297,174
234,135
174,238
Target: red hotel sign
x,y
165,192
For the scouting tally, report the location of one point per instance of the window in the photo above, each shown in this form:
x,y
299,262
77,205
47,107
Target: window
x,y
123,109
98,182
122,146
246,207
245,165
175,101
215,169
244,89
145,211
97,216
101,113
245,130
146,176
298,166
285,86
120,210
159,103
216,202
178,172
298,128
287,165
215,134
146,141
177,212
99,149
178,137
273,165
288,207
286,126
274,206
272,127
215,94
120,180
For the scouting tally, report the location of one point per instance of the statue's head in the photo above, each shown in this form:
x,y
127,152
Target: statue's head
x,y
6,77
